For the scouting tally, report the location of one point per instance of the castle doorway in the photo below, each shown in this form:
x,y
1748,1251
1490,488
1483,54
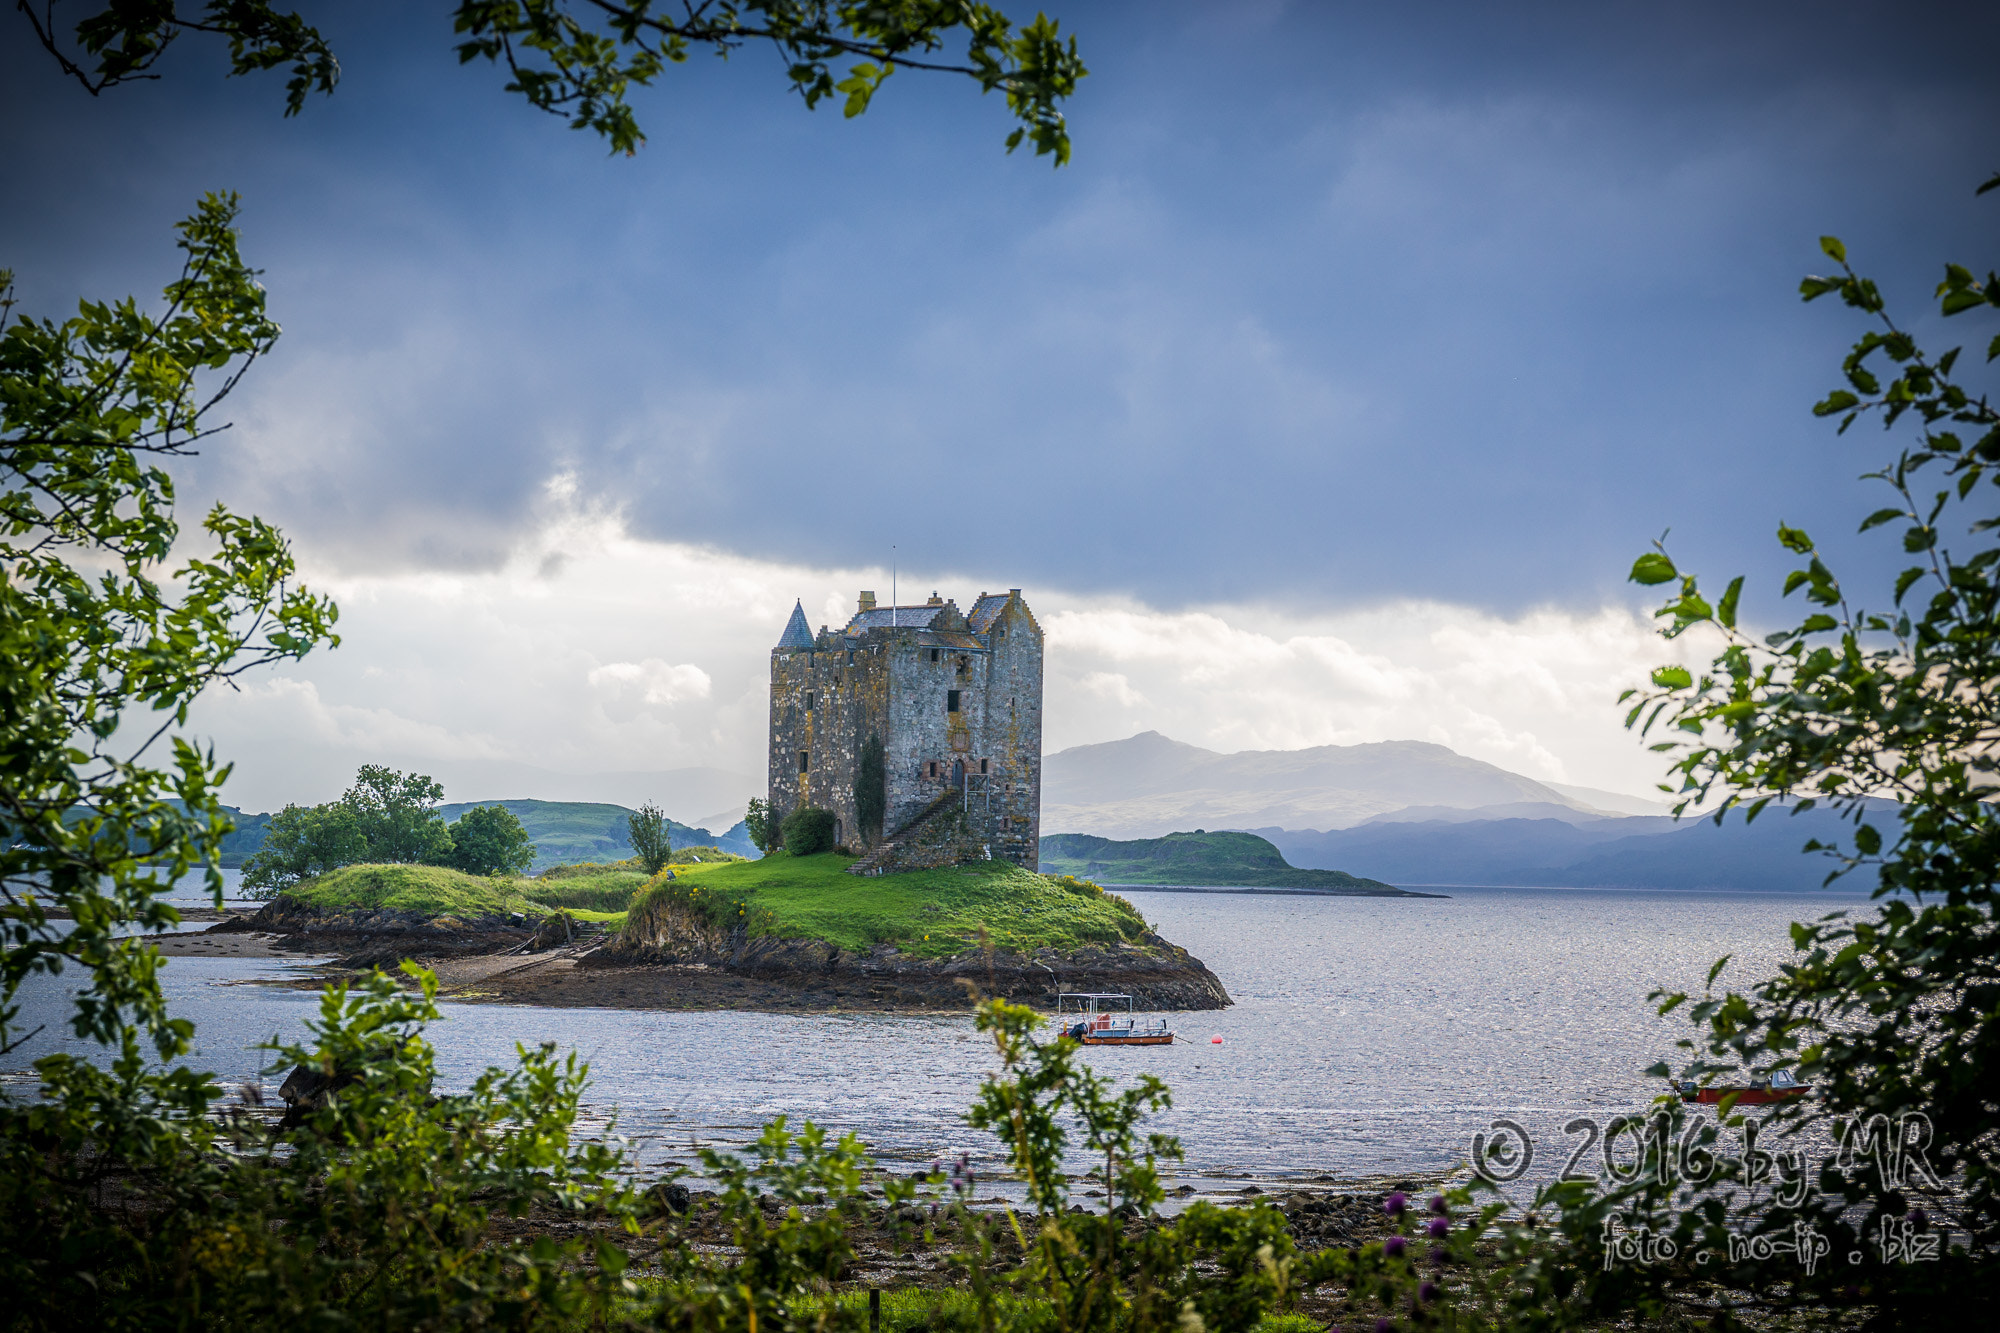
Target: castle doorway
x,y
958,774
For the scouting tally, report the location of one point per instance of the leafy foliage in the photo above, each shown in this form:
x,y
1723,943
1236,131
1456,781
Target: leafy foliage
x,y
1851,706
126,40
580,59
762,824
104,651
489,840
808,831
652,839
381,1209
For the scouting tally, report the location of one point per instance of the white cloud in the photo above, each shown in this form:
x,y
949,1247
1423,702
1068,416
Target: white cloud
x,y
628,656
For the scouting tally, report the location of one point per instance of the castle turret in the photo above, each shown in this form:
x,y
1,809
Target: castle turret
x,y
797,633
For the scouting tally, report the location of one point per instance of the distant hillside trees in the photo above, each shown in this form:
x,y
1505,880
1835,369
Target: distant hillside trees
x,y
385,817
652,837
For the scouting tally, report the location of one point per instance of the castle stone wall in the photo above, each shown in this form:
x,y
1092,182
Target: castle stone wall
x,y
897,682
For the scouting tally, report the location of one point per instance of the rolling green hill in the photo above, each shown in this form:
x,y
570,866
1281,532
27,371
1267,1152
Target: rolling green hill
x,y
567,832
1241,860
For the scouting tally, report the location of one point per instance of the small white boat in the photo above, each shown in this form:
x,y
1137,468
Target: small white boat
x,y
1101,1018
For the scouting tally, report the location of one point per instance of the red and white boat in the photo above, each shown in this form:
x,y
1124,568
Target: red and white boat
x,y
1100,1018
1761,1090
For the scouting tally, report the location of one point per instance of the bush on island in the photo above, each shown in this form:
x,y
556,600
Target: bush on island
x,y
808,831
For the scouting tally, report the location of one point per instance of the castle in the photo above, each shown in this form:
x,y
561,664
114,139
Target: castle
x,y
955,701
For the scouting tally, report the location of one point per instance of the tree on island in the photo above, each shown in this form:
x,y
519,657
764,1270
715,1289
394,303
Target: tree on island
x,y
387,818
652,837
490,840
762,825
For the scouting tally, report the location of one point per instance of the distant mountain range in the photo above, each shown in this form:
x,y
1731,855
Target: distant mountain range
x,y
1411,813
1148,785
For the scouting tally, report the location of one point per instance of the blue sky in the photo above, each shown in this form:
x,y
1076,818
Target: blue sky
x,y
1338,308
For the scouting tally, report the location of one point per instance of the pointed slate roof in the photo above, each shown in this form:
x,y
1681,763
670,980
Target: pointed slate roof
x,y
797,634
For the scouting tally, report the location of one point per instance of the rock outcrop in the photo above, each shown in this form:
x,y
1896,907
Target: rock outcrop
x,y
383,937
1157,974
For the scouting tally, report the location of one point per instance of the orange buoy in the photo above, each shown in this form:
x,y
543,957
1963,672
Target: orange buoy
x,y
1215,1041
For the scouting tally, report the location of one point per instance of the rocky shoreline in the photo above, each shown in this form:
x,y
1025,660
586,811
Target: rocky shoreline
x,y
669,958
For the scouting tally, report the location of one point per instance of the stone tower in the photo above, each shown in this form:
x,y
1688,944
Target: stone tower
x,y
956,701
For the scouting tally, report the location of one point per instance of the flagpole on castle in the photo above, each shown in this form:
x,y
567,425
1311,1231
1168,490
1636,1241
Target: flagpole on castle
x,y
892,586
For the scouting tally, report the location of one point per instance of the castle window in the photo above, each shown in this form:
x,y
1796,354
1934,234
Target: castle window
x,y
951,701
934,654
805,761
930,770
809,701
982,766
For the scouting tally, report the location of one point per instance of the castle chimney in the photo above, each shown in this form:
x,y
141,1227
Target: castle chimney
x,y
867,602
935,599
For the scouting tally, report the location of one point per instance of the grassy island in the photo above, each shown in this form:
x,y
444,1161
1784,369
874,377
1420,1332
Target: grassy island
x,y
433,891
1196,859
923,913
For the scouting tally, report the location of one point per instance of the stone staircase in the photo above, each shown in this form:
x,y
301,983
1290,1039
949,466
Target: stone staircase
x,y
885,851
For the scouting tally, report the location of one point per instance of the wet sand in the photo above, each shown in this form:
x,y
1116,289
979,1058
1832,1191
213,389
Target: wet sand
x,y
235,944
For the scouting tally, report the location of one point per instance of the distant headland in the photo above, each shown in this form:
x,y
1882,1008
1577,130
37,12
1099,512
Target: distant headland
x,y
1200,860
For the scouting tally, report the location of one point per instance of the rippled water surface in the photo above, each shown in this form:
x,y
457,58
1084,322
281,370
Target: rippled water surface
x,y
1369,1036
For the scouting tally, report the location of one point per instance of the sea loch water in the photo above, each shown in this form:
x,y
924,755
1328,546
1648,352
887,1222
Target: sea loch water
x,y
1370,1037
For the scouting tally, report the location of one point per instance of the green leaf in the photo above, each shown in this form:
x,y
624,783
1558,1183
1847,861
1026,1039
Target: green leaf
x,y
1726,612
1840,400
1716,971
1957,303
1906,578
1868,840
1653,567
1672,678
1833,249
1795,539
1881,516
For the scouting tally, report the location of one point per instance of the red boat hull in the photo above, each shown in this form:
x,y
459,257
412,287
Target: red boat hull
x,y
1746,1096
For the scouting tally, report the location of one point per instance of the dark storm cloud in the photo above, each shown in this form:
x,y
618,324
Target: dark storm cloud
x,y
1335,304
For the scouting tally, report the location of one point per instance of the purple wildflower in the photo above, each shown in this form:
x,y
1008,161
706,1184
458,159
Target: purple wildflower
x,y
1439,1228
1396,1203
1438,1256
1385,1325
1393,1247
1438,1205
1427,1292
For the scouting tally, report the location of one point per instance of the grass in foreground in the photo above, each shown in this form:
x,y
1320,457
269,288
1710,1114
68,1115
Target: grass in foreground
x,y
432,890
929,913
